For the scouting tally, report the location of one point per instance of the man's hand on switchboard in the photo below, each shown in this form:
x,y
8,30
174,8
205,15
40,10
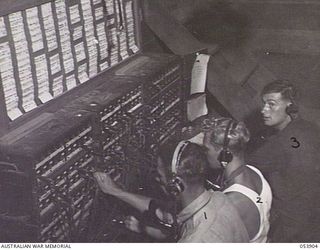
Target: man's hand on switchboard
x,y
132,224
106,184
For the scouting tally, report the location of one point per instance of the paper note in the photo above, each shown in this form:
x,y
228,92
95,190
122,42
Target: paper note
x,y
82,73
55,64
77,33
74,14
34,29
49,28
114,49
197,107
109,7
99,13
80,54
57,86
64,32
96,2
121,32
71,82
42,78
3,31
90,38
104,65
23,61
130,27
8,82
103,42
199,74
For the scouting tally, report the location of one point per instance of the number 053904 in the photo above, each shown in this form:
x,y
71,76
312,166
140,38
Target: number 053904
x,y
309,245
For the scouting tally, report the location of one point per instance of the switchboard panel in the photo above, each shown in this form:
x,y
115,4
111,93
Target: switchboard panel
x,y
116,127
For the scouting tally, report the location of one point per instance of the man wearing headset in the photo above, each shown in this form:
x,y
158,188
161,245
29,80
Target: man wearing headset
x,y
287,153
225,140
200,215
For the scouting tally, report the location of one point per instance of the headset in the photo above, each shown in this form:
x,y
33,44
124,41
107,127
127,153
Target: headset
x,y
292,108
175,184
225,156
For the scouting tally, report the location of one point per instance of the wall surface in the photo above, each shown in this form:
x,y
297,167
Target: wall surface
x,y
282,36
286,26
285,38
282,26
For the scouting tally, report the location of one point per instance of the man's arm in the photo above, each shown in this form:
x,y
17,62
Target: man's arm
x,y
108,186
141,203
134,225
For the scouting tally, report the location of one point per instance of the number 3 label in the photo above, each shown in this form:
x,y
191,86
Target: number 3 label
x,y
295,142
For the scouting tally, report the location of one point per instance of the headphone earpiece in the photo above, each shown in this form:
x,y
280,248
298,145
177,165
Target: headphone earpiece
x,y
292,109
175,185
225,156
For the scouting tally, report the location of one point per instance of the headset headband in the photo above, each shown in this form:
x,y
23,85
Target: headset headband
x,y
226,133
177,155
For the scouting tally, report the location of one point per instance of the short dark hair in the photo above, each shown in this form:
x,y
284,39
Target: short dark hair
x,y
287,90
193,160
238,136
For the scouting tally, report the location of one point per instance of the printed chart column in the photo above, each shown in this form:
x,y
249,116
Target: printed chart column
x,y
23,61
